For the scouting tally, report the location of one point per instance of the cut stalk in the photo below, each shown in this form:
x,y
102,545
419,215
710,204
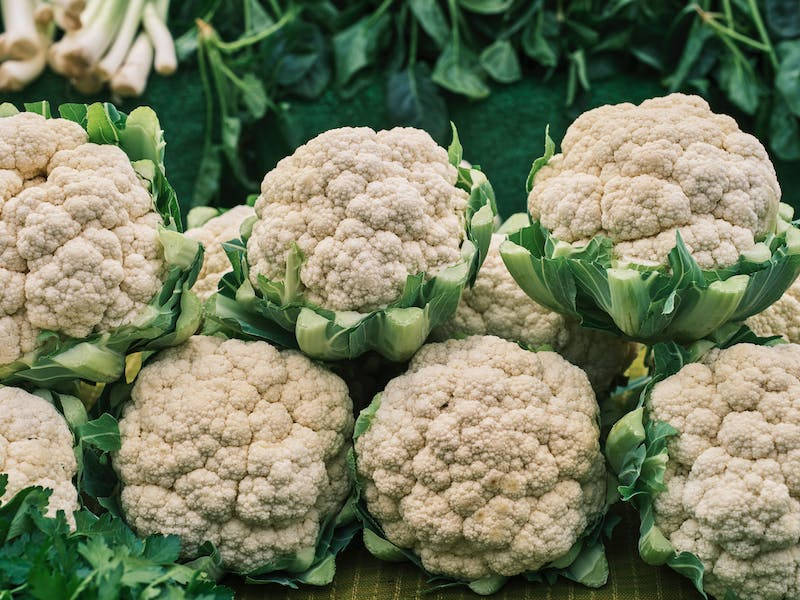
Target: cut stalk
x,y
84,50
21,39
15,75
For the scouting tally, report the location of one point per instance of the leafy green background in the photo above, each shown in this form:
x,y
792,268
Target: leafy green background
x,y
502,133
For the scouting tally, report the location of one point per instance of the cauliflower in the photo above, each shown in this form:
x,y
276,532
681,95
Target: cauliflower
x,y
781,318
36,449
731,470
82,246
373,234
496,305
211,235
639,202
235,443
484,459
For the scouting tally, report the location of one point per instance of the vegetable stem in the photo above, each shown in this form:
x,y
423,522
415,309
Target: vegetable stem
x,y
114,58
153,21
243,42
762,32
131,79
20,38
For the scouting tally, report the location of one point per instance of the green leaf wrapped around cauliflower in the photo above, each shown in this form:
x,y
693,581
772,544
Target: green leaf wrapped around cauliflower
x,y
482,462
496,305
363,241
36,450
781,318
657,221
238,444
212,234
90,262
713,466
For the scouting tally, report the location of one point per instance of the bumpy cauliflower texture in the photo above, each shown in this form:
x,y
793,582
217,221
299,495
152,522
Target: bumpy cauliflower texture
x,y
211,235
79,248
733,480
36,449
496,305
235,443
636,174
781,318
484,458
366,208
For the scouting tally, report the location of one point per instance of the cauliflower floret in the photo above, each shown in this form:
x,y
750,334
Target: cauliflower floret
x,y
496,305
236,443
733,481
781,318
36,449
212,234
79,247
366,208
636,174
484,458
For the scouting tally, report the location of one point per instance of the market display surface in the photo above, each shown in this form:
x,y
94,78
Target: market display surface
x,y
370,375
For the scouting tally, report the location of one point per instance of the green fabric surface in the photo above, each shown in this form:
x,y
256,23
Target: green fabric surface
x,y
359,576
502,134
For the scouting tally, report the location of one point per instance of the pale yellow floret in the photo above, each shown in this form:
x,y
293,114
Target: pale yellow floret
x,y
638,174
484,458
36,449
79,247
733,481
211,235
366,208
236,443
496,305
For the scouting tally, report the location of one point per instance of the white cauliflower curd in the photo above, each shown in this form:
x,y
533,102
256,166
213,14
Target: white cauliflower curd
x,y
79,246
496,305
637,174
732,493
484,459
36,449
367,209
235,443
211,235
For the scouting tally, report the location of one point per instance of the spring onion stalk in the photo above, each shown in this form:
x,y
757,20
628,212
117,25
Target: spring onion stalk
x,y
68,13
113,59
131,79
154,22
16,74
42,13
83,51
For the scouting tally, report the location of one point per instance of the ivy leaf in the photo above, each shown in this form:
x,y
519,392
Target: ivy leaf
x,y
413,100
500,61
458,71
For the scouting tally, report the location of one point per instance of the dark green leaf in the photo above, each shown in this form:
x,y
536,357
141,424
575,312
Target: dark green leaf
x,y
257,18
458,71
413,100
356,47
209,172
740,84
500,61
186,44
787,79
431,18
784,133
783,17
254,96
698,36
537,46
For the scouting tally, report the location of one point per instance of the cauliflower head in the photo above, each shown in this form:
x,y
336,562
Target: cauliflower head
x,y
732,493
79,245
236,443
484,458
496,305
637,174
211,235
781,318
36,449
366,209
